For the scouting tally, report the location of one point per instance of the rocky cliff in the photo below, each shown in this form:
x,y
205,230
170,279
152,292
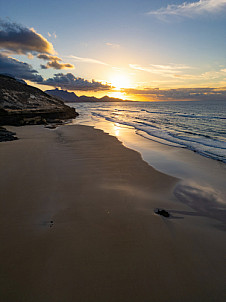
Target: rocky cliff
x,y
21,104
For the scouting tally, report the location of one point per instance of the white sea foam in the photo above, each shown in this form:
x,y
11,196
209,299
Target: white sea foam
x,y
197,126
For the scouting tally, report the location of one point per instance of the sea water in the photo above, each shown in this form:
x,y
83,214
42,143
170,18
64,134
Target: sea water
x,y
199,126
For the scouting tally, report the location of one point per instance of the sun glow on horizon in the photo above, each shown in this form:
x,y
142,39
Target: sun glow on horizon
x,y
120,81
118,95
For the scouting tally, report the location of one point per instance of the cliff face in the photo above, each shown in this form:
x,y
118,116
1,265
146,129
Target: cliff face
x,y
21,104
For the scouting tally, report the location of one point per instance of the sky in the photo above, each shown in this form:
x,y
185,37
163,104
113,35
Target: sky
x,y
132,49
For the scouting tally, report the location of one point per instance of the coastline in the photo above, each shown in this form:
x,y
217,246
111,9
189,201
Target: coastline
x,y
78,224
202,179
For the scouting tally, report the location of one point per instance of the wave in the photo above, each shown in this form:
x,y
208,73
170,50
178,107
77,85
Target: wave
x,y
202,144
176,114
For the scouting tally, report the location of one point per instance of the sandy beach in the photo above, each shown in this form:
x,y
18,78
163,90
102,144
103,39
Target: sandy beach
x,y
78,224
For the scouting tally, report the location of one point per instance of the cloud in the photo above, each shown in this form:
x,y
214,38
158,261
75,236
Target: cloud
x,y
30,56
54,62
57,65
189,9
170,70
113,45
180,93
177,71
48,57
15,38
208,75
22,40
18,69
87,60
52,35
70,82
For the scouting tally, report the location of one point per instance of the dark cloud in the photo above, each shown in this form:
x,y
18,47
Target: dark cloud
x,y
70,82
18,69
54,62
16,38
48,57
180,93
43,66
23,40
58,65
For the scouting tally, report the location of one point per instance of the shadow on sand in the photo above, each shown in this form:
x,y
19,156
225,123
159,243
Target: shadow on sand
x,y
205,201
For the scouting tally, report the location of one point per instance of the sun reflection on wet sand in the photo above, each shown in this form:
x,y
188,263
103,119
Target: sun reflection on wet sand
x,y
117,129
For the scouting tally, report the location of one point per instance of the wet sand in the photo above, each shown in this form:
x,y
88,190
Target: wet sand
x,y
78,224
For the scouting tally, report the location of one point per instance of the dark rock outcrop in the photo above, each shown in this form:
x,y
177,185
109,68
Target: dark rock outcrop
x,y
22,104
162,212
6,135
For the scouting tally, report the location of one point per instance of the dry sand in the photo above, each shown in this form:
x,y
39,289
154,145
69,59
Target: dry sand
x,y
105,243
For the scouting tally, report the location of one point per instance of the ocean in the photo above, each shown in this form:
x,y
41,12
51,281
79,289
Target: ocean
x,y
199,126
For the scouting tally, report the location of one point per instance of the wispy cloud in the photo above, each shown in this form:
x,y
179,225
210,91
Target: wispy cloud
x,y
189,9
208,75
170,70
52,35
180,93
181,72
87,60
112,45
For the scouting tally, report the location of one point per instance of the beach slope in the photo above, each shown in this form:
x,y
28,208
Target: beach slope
x,y
78,224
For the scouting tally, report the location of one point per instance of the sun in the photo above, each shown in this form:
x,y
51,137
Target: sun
x,y
120,81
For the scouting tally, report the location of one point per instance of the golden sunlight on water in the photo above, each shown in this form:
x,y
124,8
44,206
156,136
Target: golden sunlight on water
x,y
117,128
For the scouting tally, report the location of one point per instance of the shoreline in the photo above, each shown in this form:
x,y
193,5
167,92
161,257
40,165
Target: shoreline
x,y
201,179
134,139
184,164
204,141
78,224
